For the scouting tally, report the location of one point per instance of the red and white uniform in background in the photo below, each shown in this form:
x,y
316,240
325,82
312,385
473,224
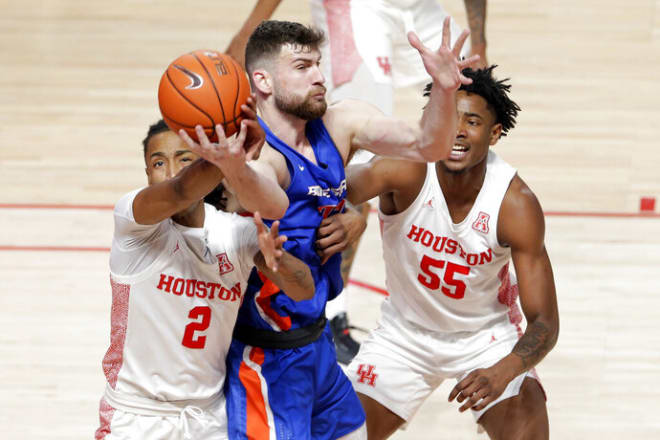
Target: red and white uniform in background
x,y
175,296
368,52
452,306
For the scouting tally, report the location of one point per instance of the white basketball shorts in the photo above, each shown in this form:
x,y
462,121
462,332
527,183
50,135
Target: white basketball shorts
x,y
399,365
125,420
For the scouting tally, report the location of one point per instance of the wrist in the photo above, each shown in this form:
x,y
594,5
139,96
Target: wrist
x,y
513,366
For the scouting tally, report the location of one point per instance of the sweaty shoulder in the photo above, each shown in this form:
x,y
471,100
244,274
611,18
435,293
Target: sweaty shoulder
x,y
273,159
342,120
403,180
521,222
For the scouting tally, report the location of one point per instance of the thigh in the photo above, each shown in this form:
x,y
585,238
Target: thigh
x,y
337,412
263,401
395,370
381,422
523,416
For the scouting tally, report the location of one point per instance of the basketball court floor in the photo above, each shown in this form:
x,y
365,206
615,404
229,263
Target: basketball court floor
x,y
78,88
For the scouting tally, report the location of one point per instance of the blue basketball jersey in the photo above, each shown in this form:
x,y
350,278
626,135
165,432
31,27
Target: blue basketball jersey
x,y
316,191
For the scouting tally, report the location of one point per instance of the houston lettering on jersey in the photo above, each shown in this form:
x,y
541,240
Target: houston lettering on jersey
x,y
200,289
448,246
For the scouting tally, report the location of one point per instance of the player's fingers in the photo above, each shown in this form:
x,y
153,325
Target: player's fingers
x,y
473,399
242,135
326,242
220,131
415,42
261,227
248,111
460,386
469,62
460,41
201,136
446,31
275,228
464,79
183,134
484,402
325,231
330,251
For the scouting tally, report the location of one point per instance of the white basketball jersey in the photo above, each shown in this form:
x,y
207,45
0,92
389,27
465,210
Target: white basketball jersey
x,y
172,319
443,276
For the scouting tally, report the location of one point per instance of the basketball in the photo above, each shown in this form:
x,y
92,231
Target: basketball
x,y
204,87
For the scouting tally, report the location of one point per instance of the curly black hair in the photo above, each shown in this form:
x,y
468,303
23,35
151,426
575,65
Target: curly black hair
x,y
496,94
158,127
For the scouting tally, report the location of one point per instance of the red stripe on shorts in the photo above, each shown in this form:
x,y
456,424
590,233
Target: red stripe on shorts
x,y
105,416
255,408
263,301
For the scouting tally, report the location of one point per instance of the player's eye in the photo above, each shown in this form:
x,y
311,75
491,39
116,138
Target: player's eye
x,y
158,164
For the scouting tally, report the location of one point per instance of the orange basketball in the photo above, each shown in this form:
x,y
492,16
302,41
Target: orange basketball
x,y
204,87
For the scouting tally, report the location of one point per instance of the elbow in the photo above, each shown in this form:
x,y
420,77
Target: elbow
x,y
275,211
437,149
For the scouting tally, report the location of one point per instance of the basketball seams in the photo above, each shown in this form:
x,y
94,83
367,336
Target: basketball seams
x,y
167,73
217,94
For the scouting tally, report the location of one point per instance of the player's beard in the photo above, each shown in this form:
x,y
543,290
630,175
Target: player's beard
x,y
306,108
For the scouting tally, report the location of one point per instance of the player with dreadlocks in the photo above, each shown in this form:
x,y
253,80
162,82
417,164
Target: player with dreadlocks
x,y
449,230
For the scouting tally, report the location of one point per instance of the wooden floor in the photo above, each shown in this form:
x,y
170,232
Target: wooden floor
x,y
78,87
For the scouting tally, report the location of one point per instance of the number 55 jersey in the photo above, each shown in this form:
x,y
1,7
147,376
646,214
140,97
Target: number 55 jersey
x,y
449,277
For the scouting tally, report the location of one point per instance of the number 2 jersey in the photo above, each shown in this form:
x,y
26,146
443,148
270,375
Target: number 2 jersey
x,y
175,296
449,277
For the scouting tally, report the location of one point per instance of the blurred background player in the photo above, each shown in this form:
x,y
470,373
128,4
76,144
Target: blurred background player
x,y
283,379
366,58
179,270
449,232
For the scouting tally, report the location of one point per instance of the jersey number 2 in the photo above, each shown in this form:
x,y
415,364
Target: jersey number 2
x,y
189,339
432,281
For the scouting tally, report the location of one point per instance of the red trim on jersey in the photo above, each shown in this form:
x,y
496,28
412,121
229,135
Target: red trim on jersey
x,y
255,404
263,302
105,417
344,57
114,357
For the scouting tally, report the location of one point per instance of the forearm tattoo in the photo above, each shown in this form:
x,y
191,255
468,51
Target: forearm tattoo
x,y
476,14
299,276
537,341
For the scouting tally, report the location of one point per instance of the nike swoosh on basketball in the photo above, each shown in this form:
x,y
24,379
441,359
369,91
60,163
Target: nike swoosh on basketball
x,y
196,81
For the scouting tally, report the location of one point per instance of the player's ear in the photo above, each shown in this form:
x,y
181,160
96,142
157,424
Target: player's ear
x,y
495,133
262,81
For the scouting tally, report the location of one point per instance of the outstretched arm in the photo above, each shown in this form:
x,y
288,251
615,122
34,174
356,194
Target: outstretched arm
x,y
476,15
288,272
255,185
262,11
434,137
537,297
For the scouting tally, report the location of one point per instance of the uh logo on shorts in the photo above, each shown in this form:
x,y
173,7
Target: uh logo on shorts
x,y
367,375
